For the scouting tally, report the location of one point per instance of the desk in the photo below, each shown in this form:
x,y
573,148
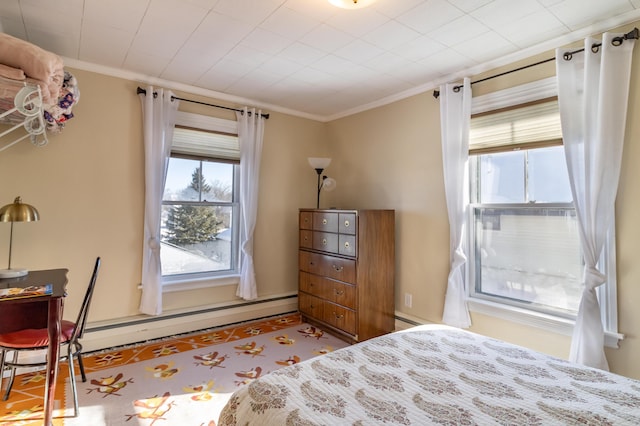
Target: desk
x,y
38,312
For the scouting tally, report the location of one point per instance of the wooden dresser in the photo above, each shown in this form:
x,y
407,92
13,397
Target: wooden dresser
x,y
346,271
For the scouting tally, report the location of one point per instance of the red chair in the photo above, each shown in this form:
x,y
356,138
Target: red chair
x,y
38,339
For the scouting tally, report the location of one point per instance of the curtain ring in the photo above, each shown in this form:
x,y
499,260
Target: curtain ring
x,y
456,89
595,48
617,41
567,56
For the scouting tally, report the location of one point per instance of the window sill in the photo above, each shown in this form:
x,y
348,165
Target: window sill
x,y
546,322
170,285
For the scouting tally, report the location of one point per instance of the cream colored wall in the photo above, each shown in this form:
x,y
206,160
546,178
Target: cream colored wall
x,y
88,185
390,157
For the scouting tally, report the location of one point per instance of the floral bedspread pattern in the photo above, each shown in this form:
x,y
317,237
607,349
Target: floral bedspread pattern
x,y
435,375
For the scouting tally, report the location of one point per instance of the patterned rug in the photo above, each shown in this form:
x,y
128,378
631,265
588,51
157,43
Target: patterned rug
x,y
184,380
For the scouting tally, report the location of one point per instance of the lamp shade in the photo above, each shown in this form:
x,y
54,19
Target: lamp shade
x,y
352,4
319,162
18,212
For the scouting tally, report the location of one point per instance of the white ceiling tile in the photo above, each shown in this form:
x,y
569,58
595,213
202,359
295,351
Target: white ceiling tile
x,y
448,61
248,55
458,30
61,44
280,66
14,27
501,12
313,76
120,14
579,13
487,45
430,15
218,30
143,62
266,41
357,23
188,66
418,48
320,9
10,9
532,29
469,5
289,23
106,44
334,65
385,62
391,35
302,53
636,3
395,8
250,11
358,51
327,38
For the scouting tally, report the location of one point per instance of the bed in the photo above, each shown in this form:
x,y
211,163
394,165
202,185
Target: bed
x,y
435,374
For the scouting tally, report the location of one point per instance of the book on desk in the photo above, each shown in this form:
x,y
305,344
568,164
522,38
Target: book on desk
x,y
28,291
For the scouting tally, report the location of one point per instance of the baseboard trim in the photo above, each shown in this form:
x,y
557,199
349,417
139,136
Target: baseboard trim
x,y
99,336
404,321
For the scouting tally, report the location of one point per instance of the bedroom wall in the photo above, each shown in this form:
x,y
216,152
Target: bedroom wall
x,y
390,157
88,185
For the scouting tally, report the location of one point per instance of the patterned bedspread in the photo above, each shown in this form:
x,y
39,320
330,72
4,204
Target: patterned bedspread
x,y
435,375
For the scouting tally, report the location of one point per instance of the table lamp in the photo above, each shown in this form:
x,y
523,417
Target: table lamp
x,y
16,212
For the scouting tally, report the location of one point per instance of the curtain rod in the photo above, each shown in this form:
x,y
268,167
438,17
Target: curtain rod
x,y
141,90
617,41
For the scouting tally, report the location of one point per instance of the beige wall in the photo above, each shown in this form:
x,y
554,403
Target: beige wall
x,y
88,185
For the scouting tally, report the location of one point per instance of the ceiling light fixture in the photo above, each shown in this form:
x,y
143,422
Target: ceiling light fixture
x,y
352,4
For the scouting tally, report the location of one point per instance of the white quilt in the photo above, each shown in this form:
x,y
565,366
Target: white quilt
x,y
435,375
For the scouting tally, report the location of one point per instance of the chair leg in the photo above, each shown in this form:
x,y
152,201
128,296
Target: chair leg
x,y
72,381
12,377
3,354
81,365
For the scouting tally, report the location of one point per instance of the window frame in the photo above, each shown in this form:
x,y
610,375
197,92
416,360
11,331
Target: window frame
x,y
607,294
192,281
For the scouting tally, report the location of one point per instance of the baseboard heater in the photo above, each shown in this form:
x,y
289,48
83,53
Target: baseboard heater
x,y
143,328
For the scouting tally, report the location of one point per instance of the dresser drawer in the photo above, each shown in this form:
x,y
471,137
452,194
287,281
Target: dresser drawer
x,y
325,241
306,238
334,291
306,220
339,317
347,223
310,305
325,221
347,245
328,266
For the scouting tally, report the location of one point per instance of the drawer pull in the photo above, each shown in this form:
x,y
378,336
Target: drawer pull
x,y
338,268
346,244
324,221
324,241
338,292
338,316
346,223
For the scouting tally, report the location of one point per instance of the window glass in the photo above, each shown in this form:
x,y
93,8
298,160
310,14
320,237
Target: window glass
x,y
200,211
526,247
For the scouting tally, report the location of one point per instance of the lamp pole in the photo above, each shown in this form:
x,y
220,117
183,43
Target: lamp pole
x,y
319,171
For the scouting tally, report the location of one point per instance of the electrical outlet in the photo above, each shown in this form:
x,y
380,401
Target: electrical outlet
x,y
408,300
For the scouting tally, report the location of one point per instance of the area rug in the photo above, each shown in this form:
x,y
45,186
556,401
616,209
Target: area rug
x,y
184,381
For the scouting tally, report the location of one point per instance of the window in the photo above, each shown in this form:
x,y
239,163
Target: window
x,y
525,256
200,208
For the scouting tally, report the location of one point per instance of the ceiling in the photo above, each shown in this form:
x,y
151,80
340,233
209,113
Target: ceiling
x,y
304,57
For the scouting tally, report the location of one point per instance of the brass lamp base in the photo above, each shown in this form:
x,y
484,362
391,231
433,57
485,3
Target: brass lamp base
x,y
13,273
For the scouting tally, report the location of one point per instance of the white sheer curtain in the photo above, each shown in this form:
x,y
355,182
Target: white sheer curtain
x,y
593,89
159,117
250,135
455,115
